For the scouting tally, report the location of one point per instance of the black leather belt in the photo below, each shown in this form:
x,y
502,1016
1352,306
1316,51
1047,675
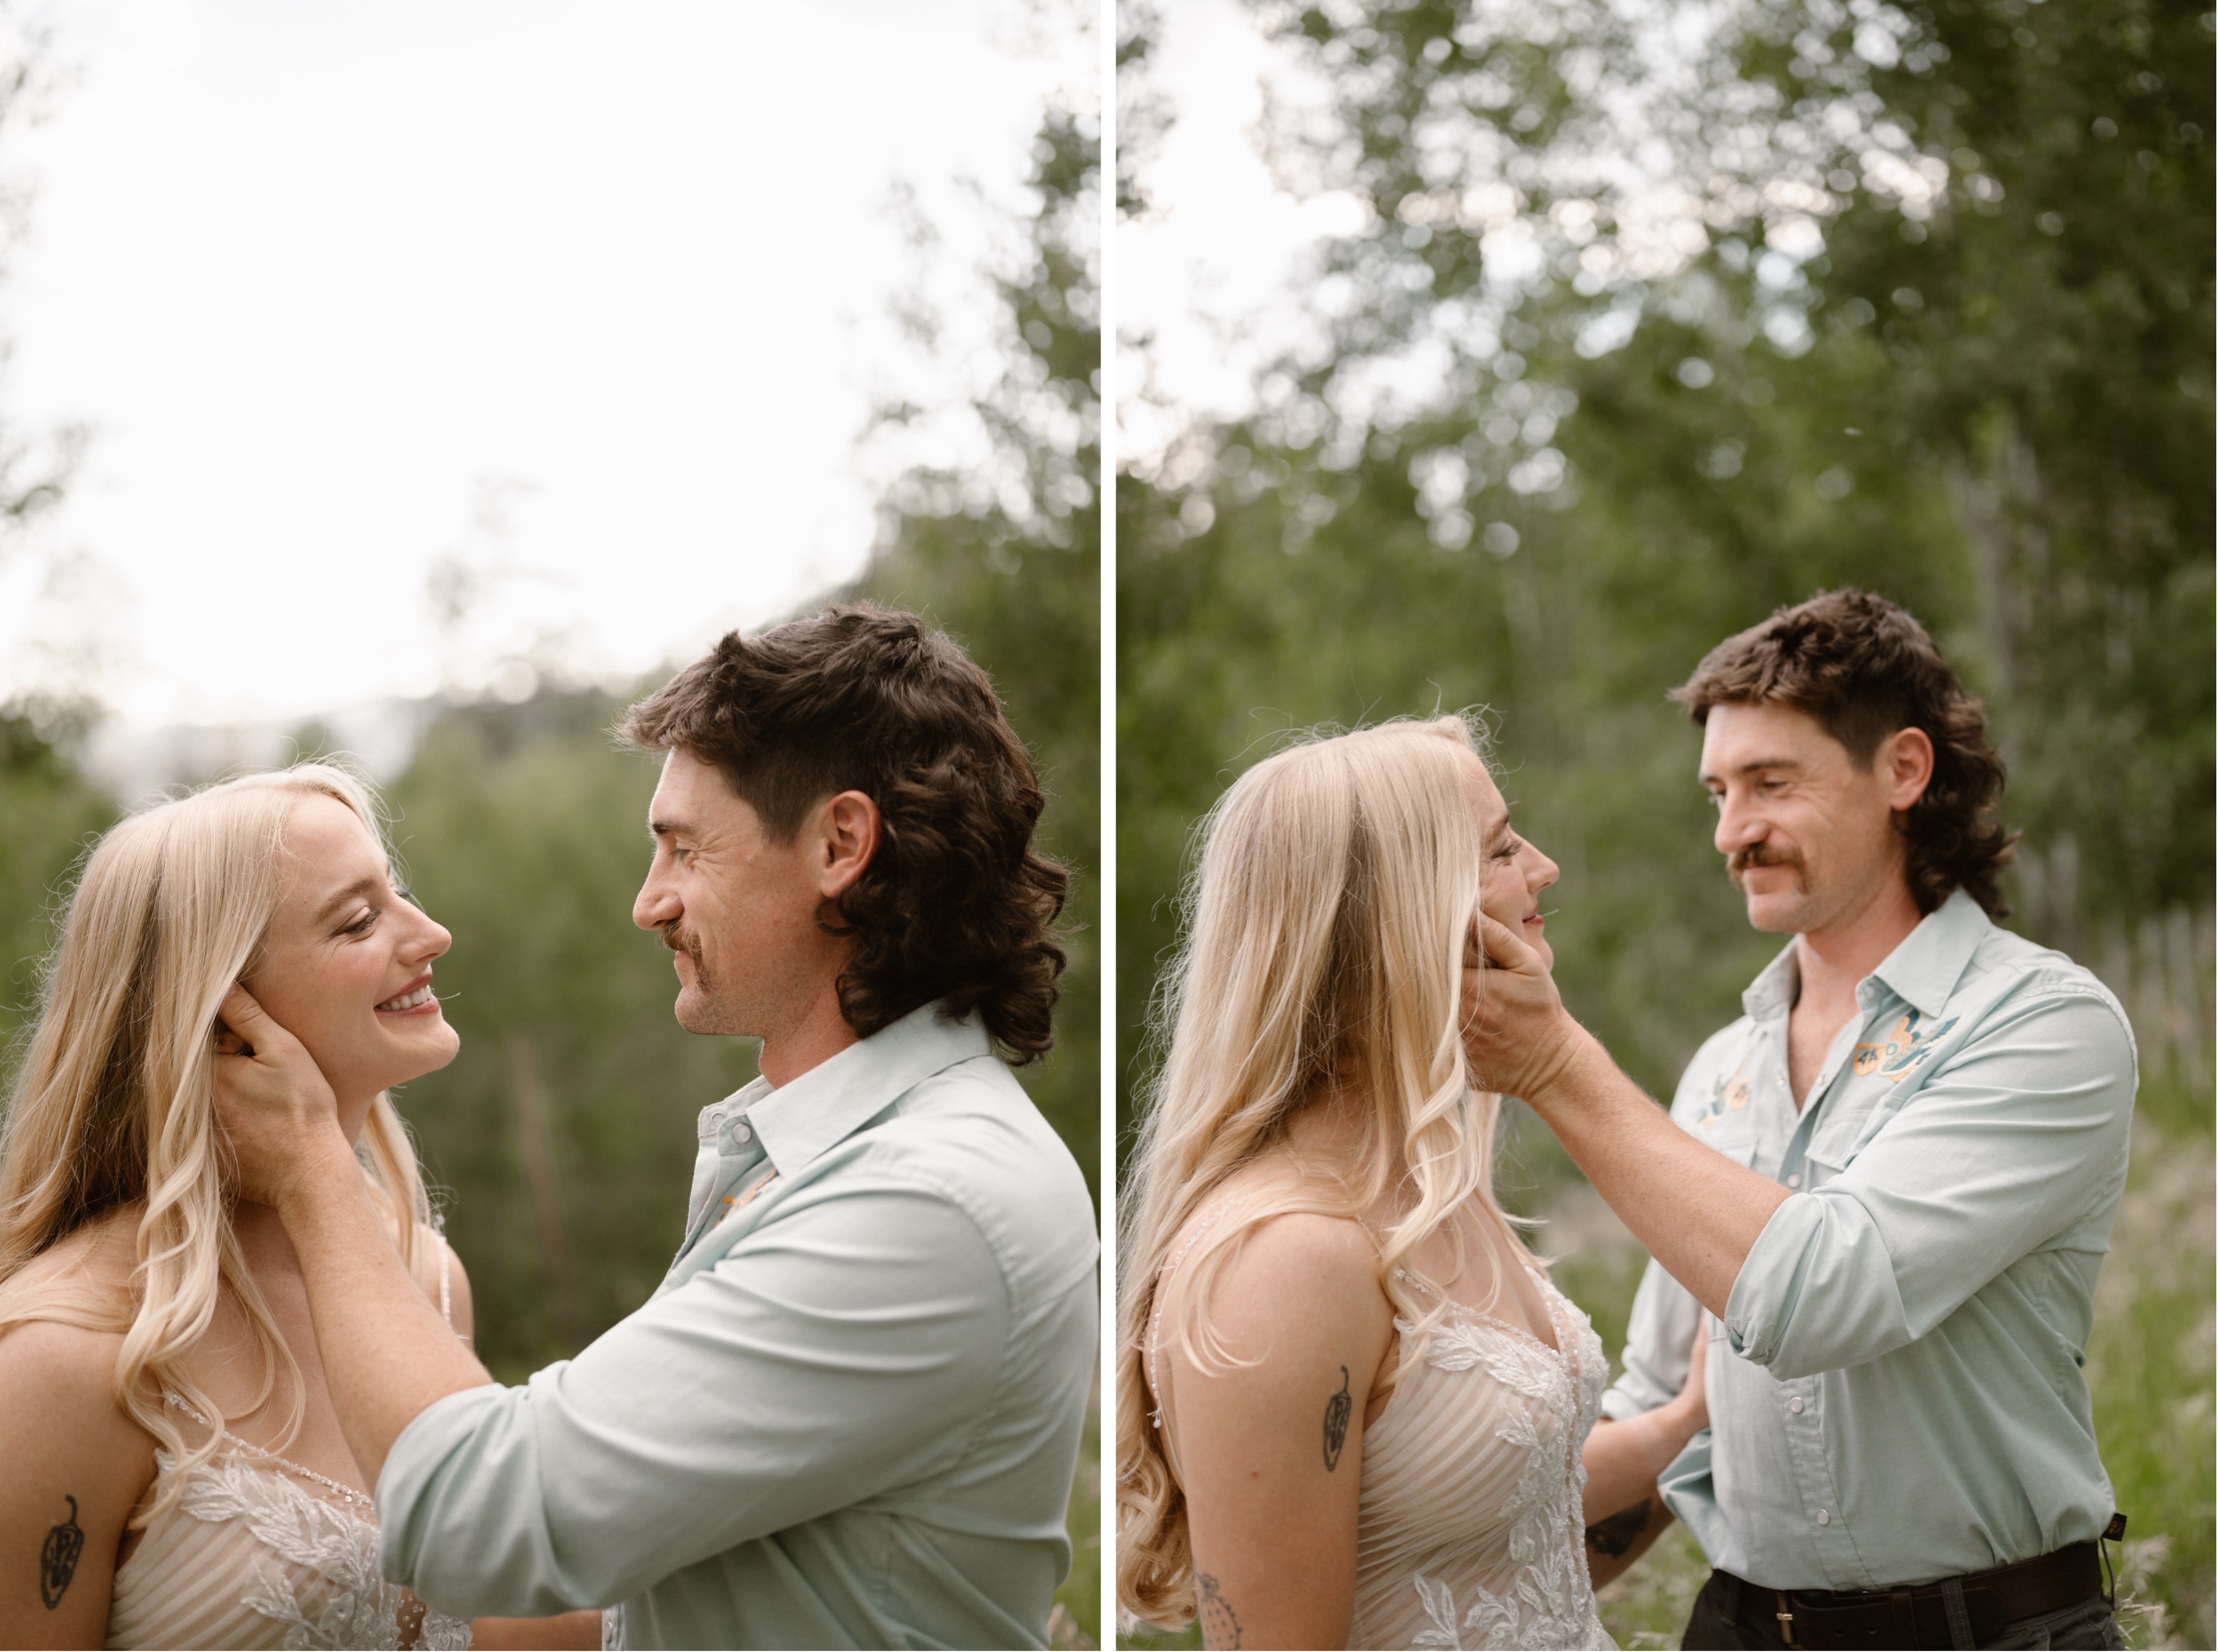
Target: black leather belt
x,y
1822,1619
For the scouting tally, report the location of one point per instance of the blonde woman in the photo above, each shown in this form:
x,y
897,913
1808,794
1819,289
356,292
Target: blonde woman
x,y
1352,1410
174,1475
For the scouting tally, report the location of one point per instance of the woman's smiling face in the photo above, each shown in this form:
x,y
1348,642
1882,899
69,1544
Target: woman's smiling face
x,y
1516,872
346,966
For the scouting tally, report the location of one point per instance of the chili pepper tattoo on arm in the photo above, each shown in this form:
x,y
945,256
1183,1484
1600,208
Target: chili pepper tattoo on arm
x,y
1338,1409
57,1561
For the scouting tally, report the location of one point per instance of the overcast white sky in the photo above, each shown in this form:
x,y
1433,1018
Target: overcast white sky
x,y
1205,278
595,289
1216,283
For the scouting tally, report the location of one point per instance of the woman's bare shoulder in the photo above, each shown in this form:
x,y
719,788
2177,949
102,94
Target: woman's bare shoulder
x,y
58,1393
1283,1231
1314,1242
63,1313
59,1363
1293,1284
93,1261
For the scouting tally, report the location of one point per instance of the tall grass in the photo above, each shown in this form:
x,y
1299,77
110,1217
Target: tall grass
x,y
2150,1365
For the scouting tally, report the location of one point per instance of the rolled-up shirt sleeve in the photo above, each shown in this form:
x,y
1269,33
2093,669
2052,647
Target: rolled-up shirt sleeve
x,y
839,1350
2005,1148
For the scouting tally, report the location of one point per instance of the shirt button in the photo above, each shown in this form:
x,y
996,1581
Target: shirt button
x,y
1794,1180
1794,1405
1825,1517
743,1132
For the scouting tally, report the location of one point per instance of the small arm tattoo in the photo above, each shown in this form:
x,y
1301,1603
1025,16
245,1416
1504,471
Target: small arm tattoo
x,y
1618,1532
1337,1411
57,1561
1219,1626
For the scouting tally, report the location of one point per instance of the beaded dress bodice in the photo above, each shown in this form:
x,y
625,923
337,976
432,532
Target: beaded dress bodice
x,y
258,1551
1469,1530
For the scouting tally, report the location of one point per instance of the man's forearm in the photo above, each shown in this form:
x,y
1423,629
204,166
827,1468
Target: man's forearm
x,y
386,1355
1693,1209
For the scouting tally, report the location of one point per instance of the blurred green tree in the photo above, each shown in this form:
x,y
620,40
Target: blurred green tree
x,y
1013,572
561,1139
1868,295
49,816
1656,319
562,1134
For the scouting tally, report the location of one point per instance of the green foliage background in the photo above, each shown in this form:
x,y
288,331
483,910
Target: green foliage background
x,y
561,1140
1549,489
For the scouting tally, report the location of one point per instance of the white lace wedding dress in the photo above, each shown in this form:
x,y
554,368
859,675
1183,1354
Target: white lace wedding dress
x,y
1469,1531
260,1551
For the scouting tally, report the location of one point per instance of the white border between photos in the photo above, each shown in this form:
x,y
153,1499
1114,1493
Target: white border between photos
x,y
1107,873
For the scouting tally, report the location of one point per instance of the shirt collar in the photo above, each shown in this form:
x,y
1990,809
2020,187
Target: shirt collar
x,y
1921,971
799,1122
1773,992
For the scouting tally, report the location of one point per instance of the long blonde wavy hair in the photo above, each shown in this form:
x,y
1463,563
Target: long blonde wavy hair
x,y
1326,928
114,1101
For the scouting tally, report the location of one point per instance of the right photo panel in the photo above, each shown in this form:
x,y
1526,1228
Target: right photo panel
x,y
1665,937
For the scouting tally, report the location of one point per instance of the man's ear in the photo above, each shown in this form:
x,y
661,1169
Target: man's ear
x,y
846,837
1906,759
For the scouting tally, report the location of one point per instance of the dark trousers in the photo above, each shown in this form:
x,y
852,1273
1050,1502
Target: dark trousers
x,y
1729,1614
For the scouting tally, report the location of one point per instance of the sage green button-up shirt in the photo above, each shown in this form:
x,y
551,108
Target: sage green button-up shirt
x,y
849,1416
1896,1392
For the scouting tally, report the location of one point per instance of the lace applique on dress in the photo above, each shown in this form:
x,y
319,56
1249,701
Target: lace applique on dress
x,y
322,1583
1470,1531
260,1551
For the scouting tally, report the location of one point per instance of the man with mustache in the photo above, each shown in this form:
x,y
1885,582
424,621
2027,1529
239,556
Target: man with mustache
x,y
850,1416
1891,1183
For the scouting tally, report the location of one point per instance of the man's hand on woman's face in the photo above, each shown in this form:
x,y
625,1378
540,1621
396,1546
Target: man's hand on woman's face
x,y
278,1116
1514,1026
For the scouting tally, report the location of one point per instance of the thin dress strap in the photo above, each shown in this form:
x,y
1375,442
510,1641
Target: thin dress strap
x,y
354,1496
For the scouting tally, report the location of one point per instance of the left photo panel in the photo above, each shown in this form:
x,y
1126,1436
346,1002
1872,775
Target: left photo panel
x,y
551,849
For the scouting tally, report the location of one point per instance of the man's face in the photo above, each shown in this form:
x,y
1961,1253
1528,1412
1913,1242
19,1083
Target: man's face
x,y
737,909
1808,838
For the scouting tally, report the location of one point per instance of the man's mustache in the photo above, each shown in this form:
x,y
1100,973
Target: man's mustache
x,y
1756,854
678,938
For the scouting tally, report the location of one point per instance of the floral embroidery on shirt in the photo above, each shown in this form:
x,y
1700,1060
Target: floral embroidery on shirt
x,y
1902,1051
1727,1093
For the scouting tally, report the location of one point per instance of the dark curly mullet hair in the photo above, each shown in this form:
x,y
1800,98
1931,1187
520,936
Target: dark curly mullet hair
x,y
955,905
1866,669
